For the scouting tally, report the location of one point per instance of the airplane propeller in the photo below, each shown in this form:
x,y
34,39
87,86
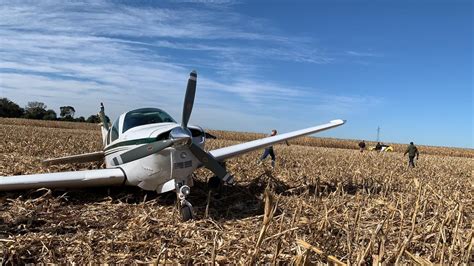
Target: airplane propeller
x,y
189,99
179,136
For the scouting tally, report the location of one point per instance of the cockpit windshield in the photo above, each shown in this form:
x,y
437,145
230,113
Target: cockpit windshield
x,y
145,116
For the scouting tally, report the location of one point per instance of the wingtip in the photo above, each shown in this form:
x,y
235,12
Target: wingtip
x,y
338,121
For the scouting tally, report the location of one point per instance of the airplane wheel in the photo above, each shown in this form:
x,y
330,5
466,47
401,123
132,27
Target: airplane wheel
x,y
214,182
186,213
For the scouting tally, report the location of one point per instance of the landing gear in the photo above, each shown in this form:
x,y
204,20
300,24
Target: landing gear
x,y
186,209
186,213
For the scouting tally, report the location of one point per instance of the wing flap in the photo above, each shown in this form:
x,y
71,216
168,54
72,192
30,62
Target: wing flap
x,y
80,158
88,178
235,150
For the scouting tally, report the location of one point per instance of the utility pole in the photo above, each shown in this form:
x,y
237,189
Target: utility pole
x,y
378,134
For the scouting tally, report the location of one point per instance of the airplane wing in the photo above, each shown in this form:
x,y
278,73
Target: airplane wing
x,y
88,178
80,158
235,150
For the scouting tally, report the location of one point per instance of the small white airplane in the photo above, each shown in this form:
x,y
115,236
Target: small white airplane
x,y
148,149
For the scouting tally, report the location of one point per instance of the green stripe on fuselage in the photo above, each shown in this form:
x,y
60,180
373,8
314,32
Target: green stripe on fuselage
x,y
130,142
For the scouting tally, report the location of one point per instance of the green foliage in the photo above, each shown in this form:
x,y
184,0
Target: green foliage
x,y
93,119
67,118
67,111
35,110
38,110
50,115
10,109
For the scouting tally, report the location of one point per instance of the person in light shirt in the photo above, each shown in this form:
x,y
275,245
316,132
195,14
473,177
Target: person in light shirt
x,y
270,151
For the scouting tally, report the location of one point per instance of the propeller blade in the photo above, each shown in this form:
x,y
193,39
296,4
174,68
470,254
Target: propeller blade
x,y
189,99
211,163
142,151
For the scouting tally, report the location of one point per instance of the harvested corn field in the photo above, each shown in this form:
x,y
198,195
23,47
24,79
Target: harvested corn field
x,y
320,204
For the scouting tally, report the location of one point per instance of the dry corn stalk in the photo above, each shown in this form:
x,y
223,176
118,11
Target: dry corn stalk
x,y
126,225
308,246
269,211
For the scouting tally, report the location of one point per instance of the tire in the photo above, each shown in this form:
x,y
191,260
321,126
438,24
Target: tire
x,y
186,213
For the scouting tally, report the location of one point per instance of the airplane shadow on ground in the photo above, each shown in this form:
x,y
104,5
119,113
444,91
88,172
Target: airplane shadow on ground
x,y
228,202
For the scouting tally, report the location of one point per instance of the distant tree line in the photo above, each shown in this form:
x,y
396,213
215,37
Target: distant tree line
x,y
39,110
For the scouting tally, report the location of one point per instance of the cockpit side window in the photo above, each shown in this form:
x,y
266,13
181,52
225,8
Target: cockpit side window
x,y
115,130
145,116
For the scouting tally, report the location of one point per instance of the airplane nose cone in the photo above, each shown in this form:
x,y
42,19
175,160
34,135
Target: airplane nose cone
x,y
181,136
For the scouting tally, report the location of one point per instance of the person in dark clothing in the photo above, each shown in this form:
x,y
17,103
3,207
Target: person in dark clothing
x,y
362,146
378,147
269,151
412,152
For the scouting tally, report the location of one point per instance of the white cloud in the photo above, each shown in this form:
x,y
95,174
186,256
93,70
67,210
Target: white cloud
x,y
363,54
83,53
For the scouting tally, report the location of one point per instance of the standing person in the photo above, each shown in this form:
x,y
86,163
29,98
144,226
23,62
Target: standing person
x,y
362,146
378,147
412,152
269,151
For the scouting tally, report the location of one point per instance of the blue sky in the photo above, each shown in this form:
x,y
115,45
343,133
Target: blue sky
x,y
405,66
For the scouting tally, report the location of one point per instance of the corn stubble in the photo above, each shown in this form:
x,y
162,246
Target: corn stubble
x,y
320,204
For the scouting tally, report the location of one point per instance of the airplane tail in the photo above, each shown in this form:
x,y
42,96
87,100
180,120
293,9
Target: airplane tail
x,y
104,124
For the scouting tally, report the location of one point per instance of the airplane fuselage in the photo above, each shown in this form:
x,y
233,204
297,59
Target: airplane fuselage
x,y
162,171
